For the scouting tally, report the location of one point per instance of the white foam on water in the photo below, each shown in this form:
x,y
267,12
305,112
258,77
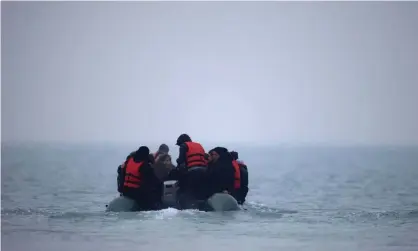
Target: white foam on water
x,y
167,213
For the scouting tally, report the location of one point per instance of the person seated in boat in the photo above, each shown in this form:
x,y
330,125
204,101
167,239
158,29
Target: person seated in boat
x,y
191,168
139,181
241,193
223,176
235,156
163,166
163,149
120,177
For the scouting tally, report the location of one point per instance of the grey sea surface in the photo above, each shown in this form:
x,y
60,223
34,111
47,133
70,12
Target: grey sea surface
x,y
301,198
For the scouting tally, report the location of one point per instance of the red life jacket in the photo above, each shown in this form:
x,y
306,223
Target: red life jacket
x,y
195,155
237,176
133,174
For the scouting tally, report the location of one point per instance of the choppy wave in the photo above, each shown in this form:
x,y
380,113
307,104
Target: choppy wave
x,y
251,209
304,198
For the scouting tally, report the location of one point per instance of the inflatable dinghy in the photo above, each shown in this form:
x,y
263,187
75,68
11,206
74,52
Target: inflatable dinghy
x,y
217,202
122,204
223,202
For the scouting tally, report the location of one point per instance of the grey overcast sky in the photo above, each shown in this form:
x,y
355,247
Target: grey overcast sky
x,y
273,72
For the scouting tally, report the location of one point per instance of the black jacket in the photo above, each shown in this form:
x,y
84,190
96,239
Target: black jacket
x,y
244,175
221,176
181,160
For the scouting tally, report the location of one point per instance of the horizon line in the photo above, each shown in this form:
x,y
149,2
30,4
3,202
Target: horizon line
x,y
235,143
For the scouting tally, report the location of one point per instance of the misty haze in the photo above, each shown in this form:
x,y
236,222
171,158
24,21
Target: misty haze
x,y
315,72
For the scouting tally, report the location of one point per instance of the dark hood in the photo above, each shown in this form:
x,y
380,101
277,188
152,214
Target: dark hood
x,y
141,154
224,154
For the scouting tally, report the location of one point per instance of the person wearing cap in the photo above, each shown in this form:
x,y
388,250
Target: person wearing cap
x,y
193,166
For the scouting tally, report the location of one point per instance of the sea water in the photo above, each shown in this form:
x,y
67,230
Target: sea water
x,y
301,198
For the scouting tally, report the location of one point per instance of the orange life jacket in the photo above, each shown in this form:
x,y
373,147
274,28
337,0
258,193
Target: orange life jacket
x,y
195,156
133,174
237,176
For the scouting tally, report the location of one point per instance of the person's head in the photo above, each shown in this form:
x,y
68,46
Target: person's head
x,y
213,156
234,155
142,154
165,159
162,157
183,139
163,148
219,152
